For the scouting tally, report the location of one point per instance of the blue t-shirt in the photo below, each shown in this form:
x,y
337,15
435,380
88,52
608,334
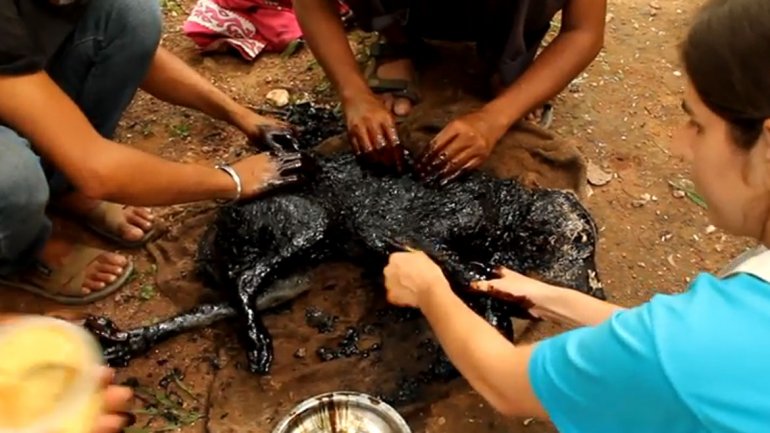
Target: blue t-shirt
x,y
695,362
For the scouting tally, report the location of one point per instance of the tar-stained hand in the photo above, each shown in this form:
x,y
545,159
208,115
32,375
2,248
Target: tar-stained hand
x,y
372,132
464,144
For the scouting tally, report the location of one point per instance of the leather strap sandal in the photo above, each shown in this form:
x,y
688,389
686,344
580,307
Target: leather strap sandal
x,y
64,284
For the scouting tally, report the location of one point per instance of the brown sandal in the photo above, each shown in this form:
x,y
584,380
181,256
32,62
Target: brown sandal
x,y
64,284
398,87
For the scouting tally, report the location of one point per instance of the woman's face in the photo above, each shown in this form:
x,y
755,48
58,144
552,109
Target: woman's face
x,y
734,182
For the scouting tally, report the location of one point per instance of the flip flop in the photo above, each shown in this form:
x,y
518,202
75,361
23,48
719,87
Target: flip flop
x,y
112,219
546,118
64,284
398,87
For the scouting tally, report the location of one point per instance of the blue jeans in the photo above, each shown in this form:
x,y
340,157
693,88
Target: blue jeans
x,y
100,66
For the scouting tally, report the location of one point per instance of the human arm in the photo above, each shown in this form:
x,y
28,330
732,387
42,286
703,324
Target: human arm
x,y
494,366
171,80
371,126
594,378
103,169
550,302
468,140
324,33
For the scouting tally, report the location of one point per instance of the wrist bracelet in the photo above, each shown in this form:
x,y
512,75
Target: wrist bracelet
x,y
237,179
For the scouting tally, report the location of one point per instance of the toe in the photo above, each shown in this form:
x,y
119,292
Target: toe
x,y
131,232
402,107
143,212
106,270
140,220
109,269
113,259
91,284
104,277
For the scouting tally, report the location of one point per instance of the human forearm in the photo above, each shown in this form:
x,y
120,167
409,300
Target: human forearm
x,y
571,307
559,63
325,35
171,80
123,174
96,166
496,368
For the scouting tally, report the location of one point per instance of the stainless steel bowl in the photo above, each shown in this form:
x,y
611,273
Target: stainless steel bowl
x,y
343,412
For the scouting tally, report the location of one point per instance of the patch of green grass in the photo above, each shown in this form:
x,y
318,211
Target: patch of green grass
x,y
171,6
147,292
146,129
323,87
687,187
181,130
292,48
162,407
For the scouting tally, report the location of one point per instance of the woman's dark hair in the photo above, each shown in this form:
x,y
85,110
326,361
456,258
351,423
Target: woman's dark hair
x,y
727,57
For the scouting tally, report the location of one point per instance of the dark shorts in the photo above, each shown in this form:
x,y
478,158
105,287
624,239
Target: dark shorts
x,y
507,34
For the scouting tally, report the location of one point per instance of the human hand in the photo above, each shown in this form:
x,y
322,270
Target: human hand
x,y
115,415
255,126
464,143
515,287
408,274
263,172
372,131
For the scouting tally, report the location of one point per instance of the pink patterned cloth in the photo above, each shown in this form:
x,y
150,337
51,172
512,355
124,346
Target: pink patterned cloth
x,y
249,26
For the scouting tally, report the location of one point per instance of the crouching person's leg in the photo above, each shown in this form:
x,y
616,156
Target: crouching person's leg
x,y
107,57
100,66
30,257
391,73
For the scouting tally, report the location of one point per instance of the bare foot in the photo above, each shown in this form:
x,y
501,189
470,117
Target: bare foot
x,y
127,222
402,69
103,270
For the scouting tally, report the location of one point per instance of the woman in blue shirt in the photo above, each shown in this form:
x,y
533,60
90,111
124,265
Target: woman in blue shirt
x,y
694,362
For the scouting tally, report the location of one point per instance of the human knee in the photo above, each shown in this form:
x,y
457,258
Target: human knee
x,y
23,185
136,24
145,19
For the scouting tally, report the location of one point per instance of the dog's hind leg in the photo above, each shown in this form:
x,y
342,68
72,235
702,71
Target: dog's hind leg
x,y
268,240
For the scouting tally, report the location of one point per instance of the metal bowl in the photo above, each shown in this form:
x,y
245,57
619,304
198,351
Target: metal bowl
x,y
343,412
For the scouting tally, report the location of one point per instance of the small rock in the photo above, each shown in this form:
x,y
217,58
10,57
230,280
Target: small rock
x,y
678,193
654,5
643,200
596,176
278,97
677,73
528,421
710,229
300,353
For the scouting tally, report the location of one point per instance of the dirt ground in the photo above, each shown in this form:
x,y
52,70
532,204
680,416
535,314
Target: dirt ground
x,y
621,114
